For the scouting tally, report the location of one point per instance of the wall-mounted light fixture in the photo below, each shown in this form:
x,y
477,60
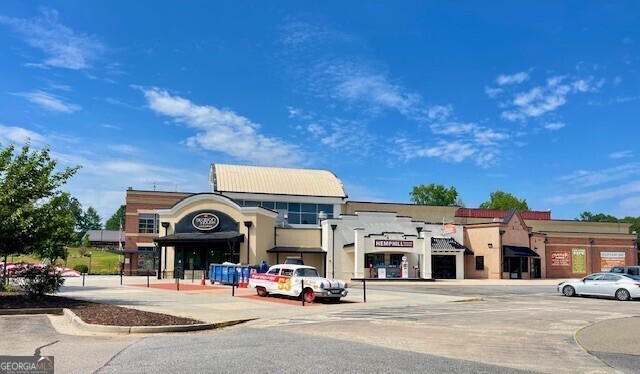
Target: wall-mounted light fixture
x,y
490,245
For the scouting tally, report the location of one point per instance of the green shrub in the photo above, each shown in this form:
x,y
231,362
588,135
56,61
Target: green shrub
x,y
37,281
5,286
81,268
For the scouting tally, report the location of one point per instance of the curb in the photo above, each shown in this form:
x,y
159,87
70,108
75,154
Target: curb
x,y
15,312
82,325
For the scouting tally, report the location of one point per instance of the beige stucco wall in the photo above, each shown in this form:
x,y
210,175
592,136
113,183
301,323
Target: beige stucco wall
x,y
425,213
478,239
298,237
260,239
579,226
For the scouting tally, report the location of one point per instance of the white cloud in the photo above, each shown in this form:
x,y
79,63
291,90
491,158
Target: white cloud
x,y
49,102
540,100
223,130
617,80
124,148
479,146
439,112
512,79
597,195
301,34
359,85
63,47
554,126
621,154
592,178
18,135
493,92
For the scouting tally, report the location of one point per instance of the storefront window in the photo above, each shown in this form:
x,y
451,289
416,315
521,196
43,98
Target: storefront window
x,y
146,258
395,259
148,223
373,259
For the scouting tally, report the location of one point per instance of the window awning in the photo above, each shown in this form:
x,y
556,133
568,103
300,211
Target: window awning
x,y
295,250
448,245
200,237
515,251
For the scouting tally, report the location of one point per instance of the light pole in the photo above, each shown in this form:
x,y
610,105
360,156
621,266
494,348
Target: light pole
x,y
333,251
248,225
90,255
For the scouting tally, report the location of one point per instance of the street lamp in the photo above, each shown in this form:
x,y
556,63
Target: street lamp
x,y
333,251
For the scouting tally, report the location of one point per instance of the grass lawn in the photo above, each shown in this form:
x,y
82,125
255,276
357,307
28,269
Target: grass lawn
x,y
102,262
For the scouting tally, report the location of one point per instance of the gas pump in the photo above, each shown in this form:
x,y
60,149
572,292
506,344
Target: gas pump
x,y
404,268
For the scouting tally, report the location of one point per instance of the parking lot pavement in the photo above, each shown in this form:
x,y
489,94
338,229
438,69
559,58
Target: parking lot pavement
x,y
22,335
534,332
216,304
510,326
614,341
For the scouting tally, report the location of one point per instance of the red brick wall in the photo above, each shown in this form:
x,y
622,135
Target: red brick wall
x,y
146,200
593,250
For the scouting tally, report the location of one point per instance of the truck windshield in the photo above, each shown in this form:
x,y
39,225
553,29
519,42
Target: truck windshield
x,y
306,273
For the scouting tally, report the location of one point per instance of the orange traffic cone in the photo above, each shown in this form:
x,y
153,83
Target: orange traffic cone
x,y
202,280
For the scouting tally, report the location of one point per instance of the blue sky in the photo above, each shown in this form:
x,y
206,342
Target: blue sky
x,y
540,99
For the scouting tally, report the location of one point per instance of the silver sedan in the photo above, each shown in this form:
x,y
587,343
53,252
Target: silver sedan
x,y
621,286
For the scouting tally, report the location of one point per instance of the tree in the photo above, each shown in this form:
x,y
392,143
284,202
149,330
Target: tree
x,y
504,201
601,217
90,220
57,226
435,194
116,219
29,186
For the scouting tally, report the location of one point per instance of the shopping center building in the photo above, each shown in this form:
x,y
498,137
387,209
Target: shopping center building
x,y
255,214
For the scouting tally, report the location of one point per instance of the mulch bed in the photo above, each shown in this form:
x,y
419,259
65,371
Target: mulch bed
x,y
95,313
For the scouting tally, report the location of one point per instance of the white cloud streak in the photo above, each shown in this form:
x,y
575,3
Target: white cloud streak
x,y
592,178
49,102
512,79
597,195
18,135
541,100
63,47
554,126
621,154
223,130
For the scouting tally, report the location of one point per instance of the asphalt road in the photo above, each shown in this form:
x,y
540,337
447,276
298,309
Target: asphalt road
x,y
528,328
269,351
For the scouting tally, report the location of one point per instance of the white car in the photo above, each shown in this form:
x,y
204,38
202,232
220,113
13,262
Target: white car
x,y
621,286
288,279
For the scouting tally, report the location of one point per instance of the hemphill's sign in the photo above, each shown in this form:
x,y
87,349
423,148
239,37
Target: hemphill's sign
x,y
394,243
205,221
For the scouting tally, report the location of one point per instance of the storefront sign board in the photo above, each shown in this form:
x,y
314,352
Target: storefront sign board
x,y
579,260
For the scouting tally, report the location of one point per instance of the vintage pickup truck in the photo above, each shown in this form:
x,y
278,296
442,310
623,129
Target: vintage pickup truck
x,y
288,279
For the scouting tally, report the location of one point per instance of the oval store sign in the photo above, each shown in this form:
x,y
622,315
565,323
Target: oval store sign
x,y
205,221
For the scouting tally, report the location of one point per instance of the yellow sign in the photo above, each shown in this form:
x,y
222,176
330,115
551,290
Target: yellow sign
x,y
579,261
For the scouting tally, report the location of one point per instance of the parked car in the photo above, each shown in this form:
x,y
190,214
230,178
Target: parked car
x,y
631,270
621,286
286,279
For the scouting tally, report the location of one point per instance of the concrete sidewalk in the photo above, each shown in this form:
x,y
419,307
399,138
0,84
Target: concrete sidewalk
x,y
214,304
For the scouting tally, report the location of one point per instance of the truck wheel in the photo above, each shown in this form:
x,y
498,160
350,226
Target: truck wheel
x,y
262,292
309,295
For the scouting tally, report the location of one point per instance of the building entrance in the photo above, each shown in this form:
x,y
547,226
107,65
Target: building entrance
x,y
443,266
